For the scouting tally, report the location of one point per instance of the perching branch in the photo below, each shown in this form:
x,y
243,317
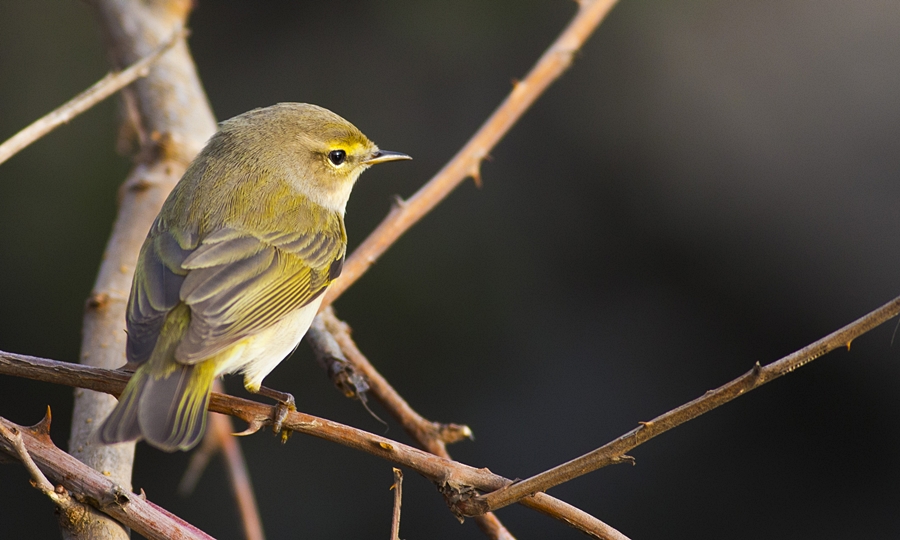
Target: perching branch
x,y
614,451
102,89
450,476
79,486
557,58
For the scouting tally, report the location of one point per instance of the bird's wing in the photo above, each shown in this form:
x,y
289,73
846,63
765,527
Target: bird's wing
x,y
235,284
238,284
158,277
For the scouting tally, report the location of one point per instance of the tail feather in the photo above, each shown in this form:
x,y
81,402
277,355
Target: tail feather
x,y
172,409
165,401
169,411
122,424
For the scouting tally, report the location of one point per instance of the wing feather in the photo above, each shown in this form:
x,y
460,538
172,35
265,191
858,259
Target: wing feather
x,y
233,295
155,290
236,283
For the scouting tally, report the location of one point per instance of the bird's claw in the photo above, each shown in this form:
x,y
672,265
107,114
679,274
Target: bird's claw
x,y
281,411
284,406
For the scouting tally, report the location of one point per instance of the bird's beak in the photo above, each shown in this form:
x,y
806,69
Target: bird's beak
x,y
383,156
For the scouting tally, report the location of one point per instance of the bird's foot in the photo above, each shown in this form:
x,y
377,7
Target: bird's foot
x,y
284,406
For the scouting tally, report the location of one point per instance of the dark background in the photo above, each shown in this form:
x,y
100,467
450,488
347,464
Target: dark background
x,y
711,185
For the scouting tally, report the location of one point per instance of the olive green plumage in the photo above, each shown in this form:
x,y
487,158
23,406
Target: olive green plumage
x,y
235,265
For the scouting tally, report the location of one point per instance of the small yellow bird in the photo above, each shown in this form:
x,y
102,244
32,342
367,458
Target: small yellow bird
x,y
236,265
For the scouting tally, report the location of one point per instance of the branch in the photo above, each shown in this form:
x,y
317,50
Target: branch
x,y
70,511
329,333
614,451
466,162
220,437
102,89
433,436
450,476
398,499
80,485
172,119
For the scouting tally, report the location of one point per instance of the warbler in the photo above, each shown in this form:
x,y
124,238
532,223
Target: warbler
x,y
236,264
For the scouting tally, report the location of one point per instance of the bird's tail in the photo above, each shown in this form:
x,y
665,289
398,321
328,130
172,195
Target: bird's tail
x,y
165,401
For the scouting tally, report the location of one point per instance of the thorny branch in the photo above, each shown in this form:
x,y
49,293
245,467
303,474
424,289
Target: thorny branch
x,y
330,332
557,58
614,451
405,214
549,67
79,486
70,511
451,476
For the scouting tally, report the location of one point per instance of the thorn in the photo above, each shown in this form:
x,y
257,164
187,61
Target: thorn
x,y
646,424
848,344
475,173
757,369
451,433
252,428
42,428
387,446
398,475
399,202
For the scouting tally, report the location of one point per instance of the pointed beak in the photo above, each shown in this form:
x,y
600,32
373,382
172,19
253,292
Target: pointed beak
x,y
383,156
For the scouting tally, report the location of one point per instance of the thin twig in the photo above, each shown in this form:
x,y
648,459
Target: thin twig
x,y
79,483
343,374
200,459
239,476
38,480
614,451
102,89
557,58
447,474
398,499
220,437
70,509
432,436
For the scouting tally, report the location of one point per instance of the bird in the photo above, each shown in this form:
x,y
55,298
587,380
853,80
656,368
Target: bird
x,y
236,264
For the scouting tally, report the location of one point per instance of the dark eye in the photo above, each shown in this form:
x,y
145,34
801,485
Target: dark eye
x,y
337,156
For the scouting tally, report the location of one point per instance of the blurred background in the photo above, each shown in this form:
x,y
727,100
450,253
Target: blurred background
x,y
712,184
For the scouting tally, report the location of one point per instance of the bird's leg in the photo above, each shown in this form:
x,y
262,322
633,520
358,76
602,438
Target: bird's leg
x,y
285,405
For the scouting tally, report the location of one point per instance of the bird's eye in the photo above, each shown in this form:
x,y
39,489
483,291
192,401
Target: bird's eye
x,y
337,157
